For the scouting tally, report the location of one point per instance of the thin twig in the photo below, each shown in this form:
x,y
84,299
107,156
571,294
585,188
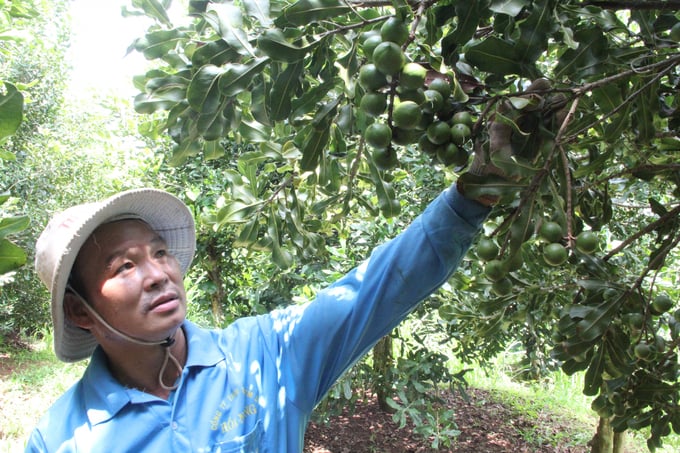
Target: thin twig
x,y
616,109
648,229
629,171
672,5
674,60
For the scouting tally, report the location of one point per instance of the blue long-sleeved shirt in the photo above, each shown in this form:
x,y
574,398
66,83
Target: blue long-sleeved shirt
x,y
252,386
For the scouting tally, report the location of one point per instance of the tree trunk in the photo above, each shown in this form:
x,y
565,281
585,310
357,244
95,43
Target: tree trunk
x,y
215,275
606,440
383,362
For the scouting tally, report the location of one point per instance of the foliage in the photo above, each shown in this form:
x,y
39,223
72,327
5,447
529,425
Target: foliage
x,y
11,116
226,281
61,154
286,78
420,370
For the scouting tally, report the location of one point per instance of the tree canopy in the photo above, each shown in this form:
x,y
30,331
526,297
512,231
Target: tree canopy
x,y
354,105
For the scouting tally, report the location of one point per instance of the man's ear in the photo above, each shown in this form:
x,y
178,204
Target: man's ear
x,y
75,311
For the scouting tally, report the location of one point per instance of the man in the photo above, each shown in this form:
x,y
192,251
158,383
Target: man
x,y
157,382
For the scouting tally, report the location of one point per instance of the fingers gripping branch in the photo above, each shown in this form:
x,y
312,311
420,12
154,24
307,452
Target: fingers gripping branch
x,y
517,132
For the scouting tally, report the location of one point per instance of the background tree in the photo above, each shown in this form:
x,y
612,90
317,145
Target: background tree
x,y
61,152
11,116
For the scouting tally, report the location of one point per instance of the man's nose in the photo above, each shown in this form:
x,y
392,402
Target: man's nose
x,y
154,274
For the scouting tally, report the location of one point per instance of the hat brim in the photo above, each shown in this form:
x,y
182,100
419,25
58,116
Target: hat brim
x,y
163,212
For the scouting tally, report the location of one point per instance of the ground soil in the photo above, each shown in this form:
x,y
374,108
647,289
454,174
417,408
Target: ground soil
x,y
486,426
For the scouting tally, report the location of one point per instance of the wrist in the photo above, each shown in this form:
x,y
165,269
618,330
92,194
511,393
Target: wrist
x,y
485,200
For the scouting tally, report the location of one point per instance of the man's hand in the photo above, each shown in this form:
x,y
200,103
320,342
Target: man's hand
x,y
516,133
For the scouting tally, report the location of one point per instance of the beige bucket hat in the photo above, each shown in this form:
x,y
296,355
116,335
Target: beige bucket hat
x,y
59,244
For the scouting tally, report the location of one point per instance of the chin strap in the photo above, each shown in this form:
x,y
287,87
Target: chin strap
x,y
169,357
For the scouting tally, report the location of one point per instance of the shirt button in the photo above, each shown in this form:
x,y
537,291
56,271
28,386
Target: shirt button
x,y
174,425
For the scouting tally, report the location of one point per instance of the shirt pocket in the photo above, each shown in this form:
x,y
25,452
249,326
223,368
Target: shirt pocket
x,y
248,443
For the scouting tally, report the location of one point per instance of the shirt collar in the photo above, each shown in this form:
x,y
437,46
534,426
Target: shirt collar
x,y
105,396
204,350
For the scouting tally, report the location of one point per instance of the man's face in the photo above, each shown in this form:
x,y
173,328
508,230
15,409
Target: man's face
x,y
131,280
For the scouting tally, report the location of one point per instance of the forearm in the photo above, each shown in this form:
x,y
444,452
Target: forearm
x,y
348,317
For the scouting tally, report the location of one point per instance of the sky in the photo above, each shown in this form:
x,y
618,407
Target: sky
x,y
101,36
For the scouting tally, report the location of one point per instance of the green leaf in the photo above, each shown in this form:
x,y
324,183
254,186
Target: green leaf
x,y
468,16
226,19
310,99
523,225
597,321
198,6
203,92
510,7
236,211
644,112
254,132
249,233
13,225
249,163
616,348
216,52
313,146
237,77
183,151
283,92
155,9
7,155
514,166
534,31
589,59
304,12
171,88
12,257
608,97
157,44
325,114
294,227
350,59
148,103
213,150
594,285
593,378
321,207
274,44
645,20
492,326
494,55
211,126
259,9
11,110
281,257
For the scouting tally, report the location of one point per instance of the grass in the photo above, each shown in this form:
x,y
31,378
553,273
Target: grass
x,y
30,380
557,393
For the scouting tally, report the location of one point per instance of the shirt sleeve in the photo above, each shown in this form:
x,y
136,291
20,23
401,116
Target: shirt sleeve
x,y
321,340
34,444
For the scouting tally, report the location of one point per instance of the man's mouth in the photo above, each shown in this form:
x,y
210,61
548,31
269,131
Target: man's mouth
x,y
164,302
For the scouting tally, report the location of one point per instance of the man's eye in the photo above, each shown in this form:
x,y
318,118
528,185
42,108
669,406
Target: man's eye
x,y
124,267
161,253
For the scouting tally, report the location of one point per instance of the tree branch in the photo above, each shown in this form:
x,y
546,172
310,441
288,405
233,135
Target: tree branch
x,y
635,4
669,64
648,229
